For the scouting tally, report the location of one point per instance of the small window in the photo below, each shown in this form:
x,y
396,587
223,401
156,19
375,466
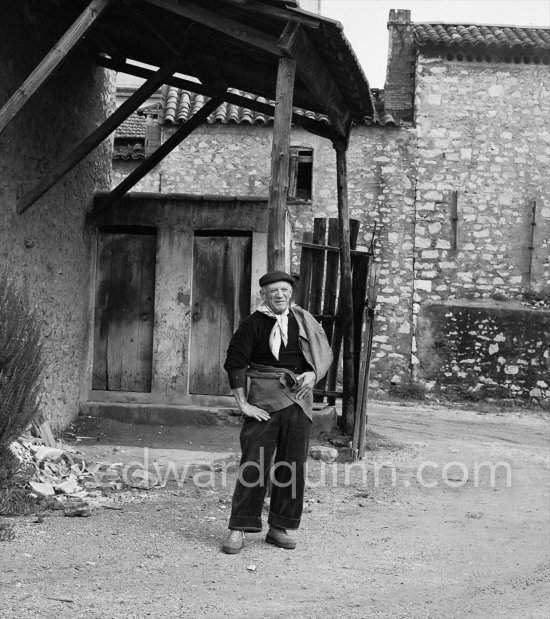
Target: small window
x,y
300,173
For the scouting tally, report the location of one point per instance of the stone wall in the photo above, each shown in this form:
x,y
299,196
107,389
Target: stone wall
x,y
481,141
485,349
483,131
215,159
46,249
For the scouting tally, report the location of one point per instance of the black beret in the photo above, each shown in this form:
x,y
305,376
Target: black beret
x,y
276,276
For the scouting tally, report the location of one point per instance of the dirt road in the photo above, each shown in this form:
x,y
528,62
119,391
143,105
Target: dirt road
x,y
448,517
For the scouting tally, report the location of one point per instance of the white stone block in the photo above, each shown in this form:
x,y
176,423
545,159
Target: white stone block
x,y
423,284
433,195
430,254
423,243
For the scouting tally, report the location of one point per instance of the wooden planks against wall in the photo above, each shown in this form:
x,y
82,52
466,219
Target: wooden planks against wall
x,y
124,311
221,298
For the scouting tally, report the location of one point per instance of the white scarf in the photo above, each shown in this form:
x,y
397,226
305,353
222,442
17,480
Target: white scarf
x,y
279,333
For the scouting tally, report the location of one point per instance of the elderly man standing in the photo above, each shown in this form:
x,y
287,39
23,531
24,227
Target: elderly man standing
x,y
284,351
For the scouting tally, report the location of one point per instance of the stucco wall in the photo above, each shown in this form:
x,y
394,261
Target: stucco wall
x,y
46,249
483,130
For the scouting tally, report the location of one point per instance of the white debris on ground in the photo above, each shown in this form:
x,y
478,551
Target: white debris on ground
x,y
68,482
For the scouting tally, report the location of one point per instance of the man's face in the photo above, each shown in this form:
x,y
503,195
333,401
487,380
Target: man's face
x,y
277,296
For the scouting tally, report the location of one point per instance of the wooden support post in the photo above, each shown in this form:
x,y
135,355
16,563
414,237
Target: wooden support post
x,y
361,414
53,59
158,155
346,297
96,137
280,155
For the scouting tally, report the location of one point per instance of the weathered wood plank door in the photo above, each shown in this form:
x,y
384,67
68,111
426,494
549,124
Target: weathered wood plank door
x,y
220,299
123,326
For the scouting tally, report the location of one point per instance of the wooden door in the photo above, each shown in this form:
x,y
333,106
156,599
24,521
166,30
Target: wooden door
x,y
221,298
123,329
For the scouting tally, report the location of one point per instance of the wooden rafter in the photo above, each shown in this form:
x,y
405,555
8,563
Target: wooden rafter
x,y
156,157
225,25
53,59
313,126
283,14
96,137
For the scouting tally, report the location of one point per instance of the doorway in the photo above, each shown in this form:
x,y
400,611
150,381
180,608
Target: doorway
x,y
220,300
124,310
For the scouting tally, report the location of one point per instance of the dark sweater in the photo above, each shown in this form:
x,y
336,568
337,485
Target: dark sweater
x,y
250,344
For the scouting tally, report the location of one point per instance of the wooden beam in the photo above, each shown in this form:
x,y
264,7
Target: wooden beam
x,y
280,156
346,296
225,25
53,59
158,155
284,14
332,248
313,72
96,137
317,127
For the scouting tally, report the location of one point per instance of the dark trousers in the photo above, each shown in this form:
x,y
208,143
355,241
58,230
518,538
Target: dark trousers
x,y
287,435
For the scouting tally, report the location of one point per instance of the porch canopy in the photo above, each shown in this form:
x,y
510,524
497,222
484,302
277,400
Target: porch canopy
x,y
297,61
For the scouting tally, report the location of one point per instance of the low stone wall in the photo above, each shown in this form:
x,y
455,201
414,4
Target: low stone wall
x,y
485,350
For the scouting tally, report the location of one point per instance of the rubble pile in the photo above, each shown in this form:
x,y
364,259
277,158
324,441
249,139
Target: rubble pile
x,y
65,481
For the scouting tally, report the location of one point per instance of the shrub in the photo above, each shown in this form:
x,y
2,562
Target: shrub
x,y
21,365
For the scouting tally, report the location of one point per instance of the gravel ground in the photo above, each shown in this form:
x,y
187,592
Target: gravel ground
x,y
417,530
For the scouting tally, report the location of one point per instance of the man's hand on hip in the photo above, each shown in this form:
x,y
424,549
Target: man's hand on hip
x,y
249,410
306,382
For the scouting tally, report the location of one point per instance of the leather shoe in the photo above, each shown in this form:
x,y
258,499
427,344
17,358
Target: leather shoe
x,y
280,538
234,542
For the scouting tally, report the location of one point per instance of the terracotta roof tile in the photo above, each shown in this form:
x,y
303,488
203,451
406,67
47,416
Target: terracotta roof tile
x,y
133,127
480,37
178,105
132,150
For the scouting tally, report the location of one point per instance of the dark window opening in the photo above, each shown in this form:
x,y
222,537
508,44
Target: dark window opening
x,y
300,173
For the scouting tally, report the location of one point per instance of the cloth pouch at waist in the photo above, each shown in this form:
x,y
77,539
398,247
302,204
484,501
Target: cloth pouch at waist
x,y
273,389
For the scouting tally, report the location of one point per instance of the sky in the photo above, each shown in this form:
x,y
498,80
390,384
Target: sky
x,y
365,22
